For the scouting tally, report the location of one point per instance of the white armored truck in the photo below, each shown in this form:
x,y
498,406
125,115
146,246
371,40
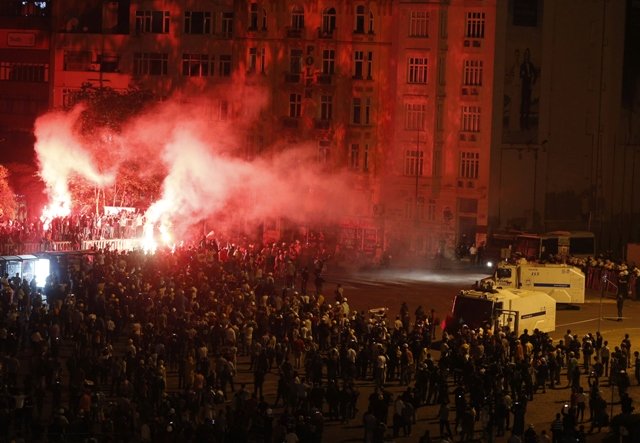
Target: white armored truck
x,y
564,283
518,309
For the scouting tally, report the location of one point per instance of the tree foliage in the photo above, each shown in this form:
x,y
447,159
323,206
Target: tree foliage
x,y
7,197
106,111
107,108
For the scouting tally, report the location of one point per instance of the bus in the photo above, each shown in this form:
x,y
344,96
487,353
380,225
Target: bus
x,y
562,243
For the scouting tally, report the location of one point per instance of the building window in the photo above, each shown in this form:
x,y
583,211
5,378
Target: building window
x,y
24,72
263,60
417,70
253,16
369,65
414,116
323,151
419,24
356,111
328,61
297,18
77,60
472,75
252,60
471,119
197,22
154,22
295,105
328,21
413,162
225,66
367,111
354,157
437,163
371,22
108,62
469,165
196,65
419,209
257,18
227,24
295,61
326,107
365,158
360,17
150,63
358,63
264,19
474,27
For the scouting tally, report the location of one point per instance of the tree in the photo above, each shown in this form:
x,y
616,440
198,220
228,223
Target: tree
x,y
7,197
107,108
105,113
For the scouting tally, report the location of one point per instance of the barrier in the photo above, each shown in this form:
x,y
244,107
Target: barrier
x,y
119,244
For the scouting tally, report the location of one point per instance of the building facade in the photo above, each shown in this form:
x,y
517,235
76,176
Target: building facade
x,y
398,93
435,183
24,74
564,147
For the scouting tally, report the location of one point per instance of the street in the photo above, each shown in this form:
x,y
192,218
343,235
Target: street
x,y
436,289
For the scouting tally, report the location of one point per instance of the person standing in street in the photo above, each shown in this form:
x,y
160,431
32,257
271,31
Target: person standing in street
x,y
623,288
620,304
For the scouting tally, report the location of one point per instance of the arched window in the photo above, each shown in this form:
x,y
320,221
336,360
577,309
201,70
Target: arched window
x,y
328,20
264,19
253,16
359,24
371,28
297,18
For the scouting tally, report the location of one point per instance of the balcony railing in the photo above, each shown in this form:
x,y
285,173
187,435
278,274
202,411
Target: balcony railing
x,y
468,136
326,33
473,43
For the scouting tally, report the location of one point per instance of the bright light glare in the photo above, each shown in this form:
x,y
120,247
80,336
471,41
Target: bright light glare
x,y
489,264
42,271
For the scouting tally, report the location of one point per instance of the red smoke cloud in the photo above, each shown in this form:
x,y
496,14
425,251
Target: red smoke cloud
x,y
205,178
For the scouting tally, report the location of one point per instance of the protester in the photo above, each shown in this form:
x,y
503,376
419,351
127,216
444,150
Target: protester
x,y
102,337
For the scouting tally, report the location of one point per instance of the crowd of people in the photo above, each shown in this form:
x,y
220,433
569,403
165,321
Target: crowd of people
x,y
127,346
74,228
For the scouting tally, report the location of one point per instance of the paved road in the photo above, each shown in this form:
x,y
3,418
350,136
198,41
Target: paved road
x,y
436,289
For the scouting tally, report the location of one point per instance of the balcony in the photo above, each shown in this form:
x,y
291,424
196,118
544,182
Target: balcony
x,y
291,77
294,32
466,183
470,91
326,33
473,43
468,137
324,79
321,123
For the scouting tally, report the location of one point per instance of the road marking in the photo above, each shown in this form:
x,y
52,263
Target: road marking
x,y
592,319
577,322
